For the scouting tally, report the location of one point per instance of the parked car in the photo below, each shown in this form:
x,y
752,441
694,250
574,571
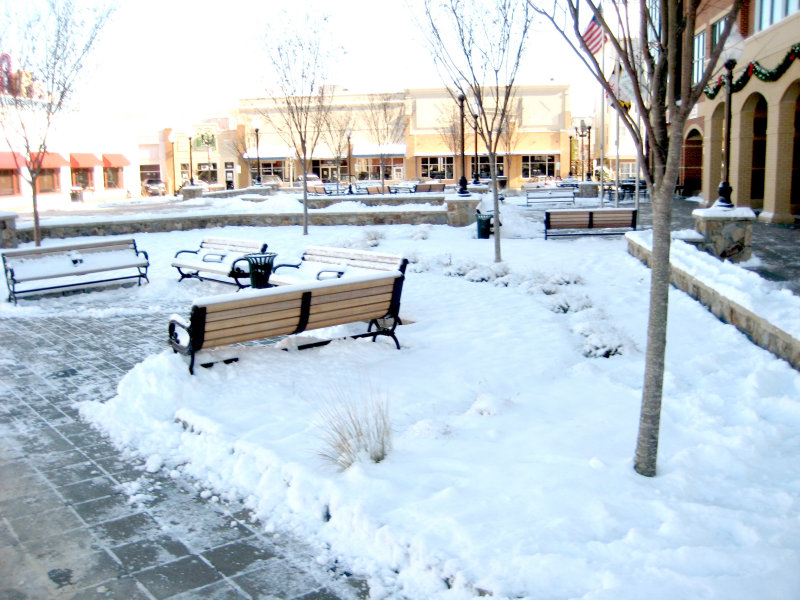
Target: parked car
x,y
311,178
154,187
273,179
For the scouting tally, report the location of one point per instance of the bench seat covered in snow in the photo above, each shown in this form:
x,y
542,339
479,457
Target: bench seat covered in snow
x,y
322,262
218,259
73,266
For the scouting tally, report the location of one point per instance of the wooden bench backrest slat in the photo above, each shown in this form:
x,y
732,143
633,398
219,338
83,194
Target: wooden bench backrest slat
x,y
244,246
221,316
353,258
237,319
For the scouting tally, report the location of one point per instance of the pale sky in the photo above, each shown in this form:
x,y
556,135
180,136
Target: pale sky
x,y
189,59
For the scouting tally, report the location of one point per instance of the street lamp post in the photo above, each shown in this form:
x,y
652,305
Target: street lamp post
x,y
731,53
725,190
349,158
570,156
589,150
462,183
256,126
191,166
171,140
582,130
476,181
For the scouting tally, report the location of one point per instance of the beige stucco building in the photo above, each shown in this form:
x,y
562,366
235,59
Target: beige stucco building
x,y
422,141
765,105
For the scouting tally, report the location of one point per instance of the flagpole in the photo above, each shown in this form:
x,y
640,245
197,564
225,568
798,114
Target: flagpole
x,y
602,122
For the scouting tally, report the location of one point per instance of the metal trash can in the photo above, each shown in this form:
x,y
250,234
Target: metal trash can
x,y
76,194
260,268
484,225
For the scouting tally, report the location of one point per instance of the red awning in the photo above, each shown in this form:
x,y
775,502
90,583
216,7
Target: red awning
x,y
7,160
52,160
115,160
84,161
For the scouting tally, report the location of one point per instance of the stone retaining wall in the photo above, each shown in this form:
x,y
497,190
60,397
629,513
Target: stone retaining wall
x,y
760,331
185,223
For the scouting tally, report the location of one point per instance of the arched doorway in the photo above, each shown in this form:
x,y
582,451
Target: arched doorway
x,y
758,164
692,163
795,195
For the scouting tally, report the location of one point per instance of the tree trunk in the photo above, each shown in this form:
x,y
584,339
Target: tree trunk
x,y
496,206
37,234
650,417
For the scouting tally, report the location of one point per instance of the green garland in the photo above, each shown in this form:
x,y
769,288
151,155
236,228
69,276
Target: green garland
x,y
755,68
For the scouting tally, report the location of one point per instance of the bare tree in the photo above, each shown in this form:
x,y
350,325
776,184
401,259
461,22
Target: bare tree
x,y
450,127
384,120
50,42
300,62
337,132
477,47
653,46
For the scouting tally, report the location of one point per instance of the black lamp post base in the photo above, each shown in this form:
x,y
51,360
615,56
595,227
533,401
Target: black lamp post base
x,y
725,190
462,186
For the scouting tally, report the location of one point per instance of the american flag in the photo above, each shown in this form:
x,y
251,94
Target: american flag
x,y
594,36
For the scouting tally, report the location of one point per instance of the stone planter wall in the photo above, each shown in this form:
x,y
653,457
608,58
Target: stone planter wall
x,y
178,223
759,330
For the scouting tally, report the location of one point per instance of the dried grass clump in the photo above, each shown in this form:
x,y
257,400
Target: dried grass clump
x,y
355,431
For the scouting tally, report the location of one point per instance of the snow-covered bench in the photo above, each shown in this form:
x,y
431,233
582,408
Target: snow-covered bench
x,y
549,195
61,268
218,259
589,221
322,262
255,314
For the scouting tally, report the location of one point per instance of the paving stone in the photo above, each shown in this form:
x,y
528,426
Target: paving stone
x,y
176,577
82,520
239,557
144,554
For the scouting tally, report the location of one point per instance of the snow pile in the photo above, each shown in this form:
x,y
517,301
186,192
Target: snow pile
x,y
514,406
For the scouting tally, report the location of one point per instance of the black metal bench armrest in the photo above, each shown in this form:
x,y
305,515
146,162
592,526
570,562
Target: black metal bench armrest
x,y
177,323
276,267
215,258
326,274
146,256
186,252
238,270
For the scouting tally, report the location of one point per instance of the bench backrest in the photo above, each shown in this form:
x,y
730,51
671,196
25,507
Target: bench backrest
x,y
551,193
232,245
258,314
590,219
423,187
364,259
436,187
106,246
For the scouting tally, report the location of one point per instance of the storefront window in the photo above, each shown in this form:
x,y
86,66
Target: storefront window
x,y
207,172
112,178
538,165
269,167
48,181
9,182
83,178
436,167
483,167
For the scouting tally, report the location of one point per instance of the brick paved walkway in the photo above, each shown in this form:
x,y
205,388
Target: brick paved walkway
x,y
79,520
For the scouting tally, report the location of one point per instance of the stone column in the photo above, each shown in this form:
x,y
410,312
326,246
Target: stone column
x,y
8,230
727,232
461,210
